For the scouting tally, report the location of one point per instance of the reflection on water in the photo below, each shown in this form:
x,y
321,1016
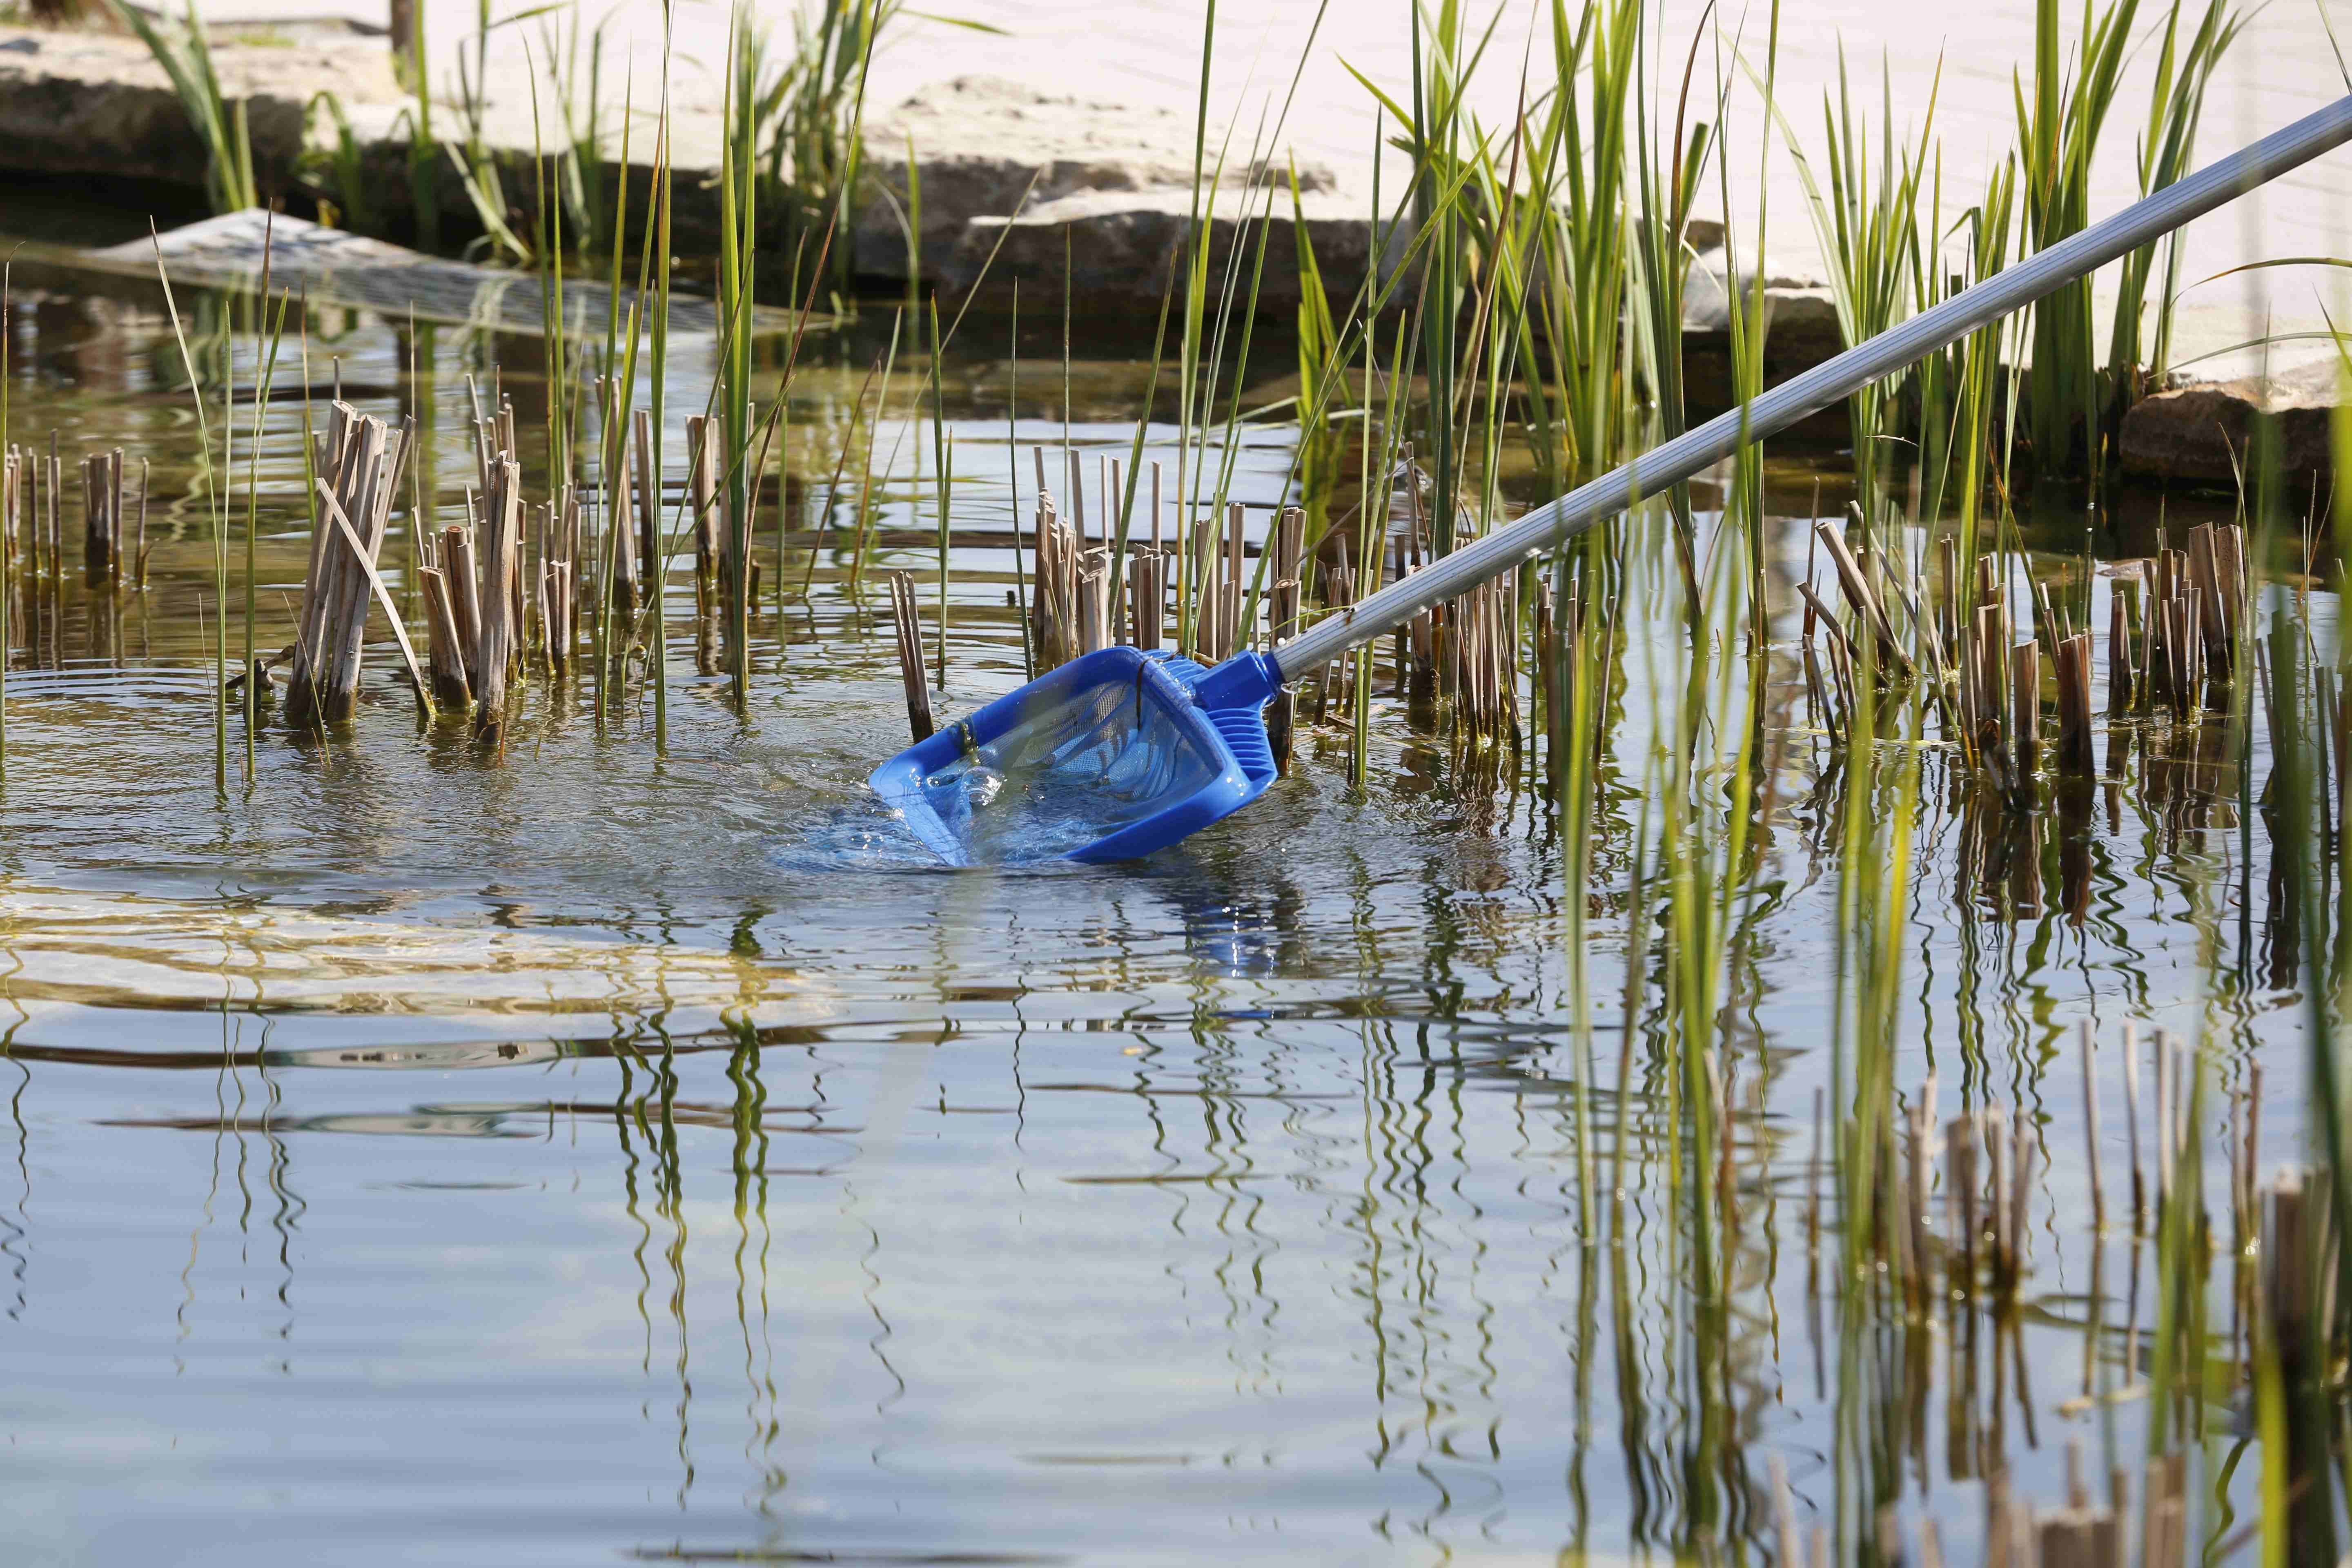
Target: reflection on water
x,y
736,1186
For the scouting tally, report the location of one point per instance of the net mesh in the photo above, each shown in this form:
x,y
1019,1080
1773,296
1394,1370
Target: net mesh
x,y
1072,774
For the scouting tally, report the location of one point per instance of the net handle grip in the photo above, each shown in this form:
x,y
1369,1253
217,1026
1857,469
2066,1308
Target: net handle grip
x,y
1688,455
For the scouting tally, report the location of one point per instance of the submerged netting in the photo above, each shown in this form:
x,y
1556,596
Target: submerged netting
x,y
1077,771
331,267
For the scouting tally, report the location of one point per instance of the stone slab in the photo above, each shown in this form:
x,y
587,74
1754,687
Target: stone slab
x,y
95,103
1116,250
982,147
2198,431
330,266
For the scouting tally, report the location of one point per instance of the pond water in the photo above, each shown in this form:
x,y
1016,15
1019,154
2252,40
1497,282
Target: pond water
x,y
581,1154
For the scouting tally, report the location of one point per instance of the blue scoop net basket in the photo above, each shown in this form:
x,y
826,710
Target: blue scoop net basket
x,y
1116,754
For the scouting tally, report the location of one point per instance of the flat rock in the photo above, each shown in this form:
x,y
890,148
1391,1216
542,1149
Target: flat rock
x,y
96,103
1118,249
2196,431
980,146
328,265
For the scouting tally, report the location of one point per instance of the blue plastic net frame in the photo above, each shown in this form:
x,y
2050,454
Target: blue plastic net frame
x,y
1122,728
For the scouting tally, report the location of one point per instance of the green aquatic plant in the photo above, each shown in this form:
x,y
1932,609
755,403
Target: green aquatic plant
x,y
657,251
338,166
1960,389
1438,130
806,124
1747,320
2299,1353
1868,223
274,325
2138,352
1577,209
474,161
590,207
737,288
416,118
184,51
217,509
2059,123
1666,183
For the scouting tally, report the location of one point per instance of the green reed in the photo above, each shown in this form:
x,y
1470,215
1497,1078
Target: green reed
x,y
1544,239
868,490
1960,394
339,166
807,123
1743,511
1578,211
2298,1395
2058,128
1120,544
2331,1006
1701,870
1576,756
1196,282
658,246
942,475
184,51
473,158
1321,452
275,328
738,289
548,240
2138,356
1868,223
424,150
580,175
1664,188
216,506
1445,55
622,335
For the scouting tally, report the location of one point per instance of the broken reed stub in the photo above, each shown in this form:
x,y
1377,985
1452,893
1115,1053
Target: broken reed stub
x,y
912,676
360,462
102,500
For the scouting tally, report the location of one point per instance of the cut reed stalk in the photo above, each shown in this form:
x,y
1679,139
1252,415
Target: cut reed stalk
x,y
101,492
358,461
497,634
906,622
1285,603
445,642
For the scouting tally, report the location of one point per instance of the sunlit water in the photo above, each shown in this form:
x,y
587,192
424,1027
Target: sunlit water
x,y
586,1154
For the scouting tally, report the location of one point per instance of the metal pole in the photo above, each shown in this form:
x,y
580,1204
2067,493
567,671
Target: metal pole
x,y
1556,522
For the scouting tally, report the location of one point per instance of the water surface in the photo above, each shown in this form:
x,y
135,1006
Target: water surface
x,y
590,1153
